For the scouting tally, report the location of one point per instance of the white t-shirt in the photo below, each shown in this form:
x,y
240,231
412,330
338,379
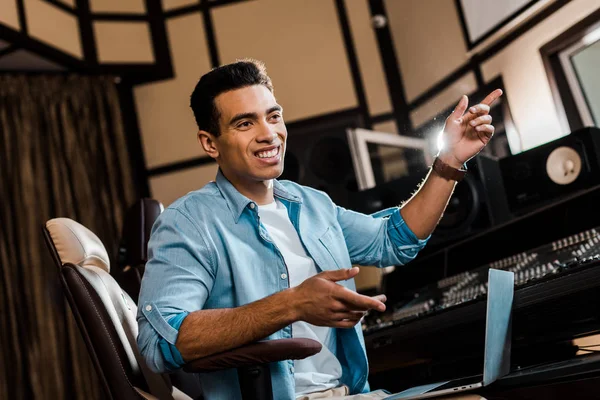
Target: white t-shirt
x,y
323,370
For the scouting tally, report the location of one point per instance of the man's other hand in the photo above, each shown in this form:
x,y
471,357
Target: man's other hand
x,y
320,301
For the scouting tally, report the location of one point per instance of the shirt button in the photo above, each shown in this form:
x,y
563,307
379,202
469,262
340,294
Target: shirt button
x,y
283,276
252,206
148,307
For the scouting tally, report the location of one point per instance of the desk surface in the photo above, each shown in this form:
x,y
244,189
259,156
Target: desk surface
x,y
575,379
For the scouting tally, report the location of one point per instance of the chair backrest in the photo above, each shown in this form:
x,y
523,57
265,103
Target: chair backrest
x,y
133,255
105,314
133,249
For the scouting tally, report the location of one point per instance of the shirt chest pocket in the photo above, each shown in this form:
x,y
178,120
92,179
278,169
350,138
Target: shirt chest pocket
x,y
333,249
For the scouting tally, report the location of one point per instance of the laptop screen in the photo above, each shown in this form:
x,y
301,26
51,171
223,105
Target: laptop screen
x,y
498,325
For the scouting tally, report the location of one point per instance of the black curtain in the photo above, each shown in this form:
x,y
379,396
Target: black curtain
x,y
63,153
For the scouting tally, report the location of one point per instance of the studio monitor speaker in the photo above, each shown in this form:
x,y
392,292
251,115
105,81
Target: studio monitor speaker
x,y
549,172
318,156
478,201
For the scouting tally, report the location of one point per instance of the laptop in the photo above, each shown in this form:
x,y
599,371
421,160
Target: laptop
x,y
496,361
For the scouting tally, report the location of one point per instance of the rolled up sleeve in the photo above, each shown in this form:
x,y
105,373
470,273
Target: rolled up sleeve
x,y
381,239
178,279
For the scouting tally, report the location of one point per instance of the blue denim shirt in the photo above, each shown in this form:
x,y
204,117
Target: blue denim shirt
x,y
209,250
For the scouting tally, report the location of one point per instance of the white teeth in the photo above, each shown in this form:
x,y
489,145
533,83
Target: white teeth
x,y
268,154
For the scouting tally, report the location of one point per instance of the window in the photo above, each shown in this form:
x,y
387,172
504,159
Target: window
x,y
571,62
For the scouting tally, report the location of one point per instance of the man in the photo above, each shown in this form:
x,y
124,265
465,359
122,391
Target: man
x,y
248,257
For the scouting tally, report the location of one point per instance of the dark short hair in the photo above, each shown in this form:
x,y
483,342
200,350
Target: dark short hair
x,y
227,77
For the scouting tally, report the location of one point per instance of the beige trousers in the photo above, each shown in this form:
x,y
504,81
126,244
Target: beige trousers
x,y
341,393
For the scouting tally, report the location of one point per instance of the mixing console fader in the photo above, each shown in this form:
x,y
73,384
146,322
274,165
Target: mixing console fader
x,y
547,262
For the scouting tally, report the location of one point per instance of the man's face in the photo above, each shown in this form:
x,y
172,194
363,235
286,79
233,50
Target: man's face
x,y
251,145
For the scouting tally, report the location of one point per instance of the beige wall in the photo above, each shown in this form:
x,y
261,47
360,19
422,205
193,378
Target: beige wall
x,y
169,187
301,43
444,99
9,14
168,129
369,60
68,2
133,38
525,79
171,4
428,41
62,33
118,6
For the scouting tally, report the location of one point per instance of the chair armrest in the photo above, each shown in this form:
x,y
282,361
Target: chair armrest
x,y
256,353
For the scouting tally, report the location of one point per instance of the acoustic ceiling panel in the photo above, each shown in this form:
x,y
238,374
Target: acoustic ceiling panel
x,y
70,3
444,99
484,16
118,6
62,33
124,42
428,41
166,121
173,4
301,43
9,15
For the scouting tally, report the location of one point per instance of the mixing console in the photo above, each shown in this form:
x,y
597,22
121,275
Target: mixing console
x,y
531,267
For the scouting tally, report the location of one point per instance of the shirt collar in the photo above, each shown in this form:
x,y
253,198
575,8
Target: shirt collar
x,y
237,202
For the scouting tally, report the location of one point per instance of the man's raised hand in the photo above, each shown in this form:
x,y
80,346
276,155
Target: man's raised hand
x,y
466,134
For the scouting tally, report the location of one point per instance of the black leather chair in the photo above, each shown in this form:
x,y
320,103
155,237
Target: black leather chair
x,y
132,258
106,316
133,248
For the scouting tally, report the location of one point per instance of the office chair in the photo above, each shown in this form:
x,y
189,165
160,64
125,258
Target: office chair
x,y
133,247
106,316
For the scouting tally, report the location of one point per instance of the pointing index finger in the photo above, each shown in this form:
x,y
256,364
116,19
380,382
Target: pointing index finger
x,y
358,301
490,98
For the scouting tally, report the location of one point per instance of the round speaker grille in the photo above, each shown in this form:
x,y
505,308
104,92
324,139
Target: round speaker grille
x,y
563,165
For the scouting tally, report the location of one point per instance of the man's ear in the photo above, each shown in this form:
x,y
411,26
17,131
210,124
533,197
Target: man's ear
x,y
208,143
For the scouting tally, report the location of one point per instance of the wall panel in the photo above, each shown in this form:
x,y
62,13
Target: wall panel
x,y
70,3
62,33
9,14
387,127
167,125
428,41
133,39
369,59
118,6
444,99
169,187
301,43
171,4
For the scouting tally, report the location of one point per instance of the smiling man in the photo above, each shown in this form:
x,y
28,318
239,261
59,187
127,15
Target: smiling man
x,y
247,257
